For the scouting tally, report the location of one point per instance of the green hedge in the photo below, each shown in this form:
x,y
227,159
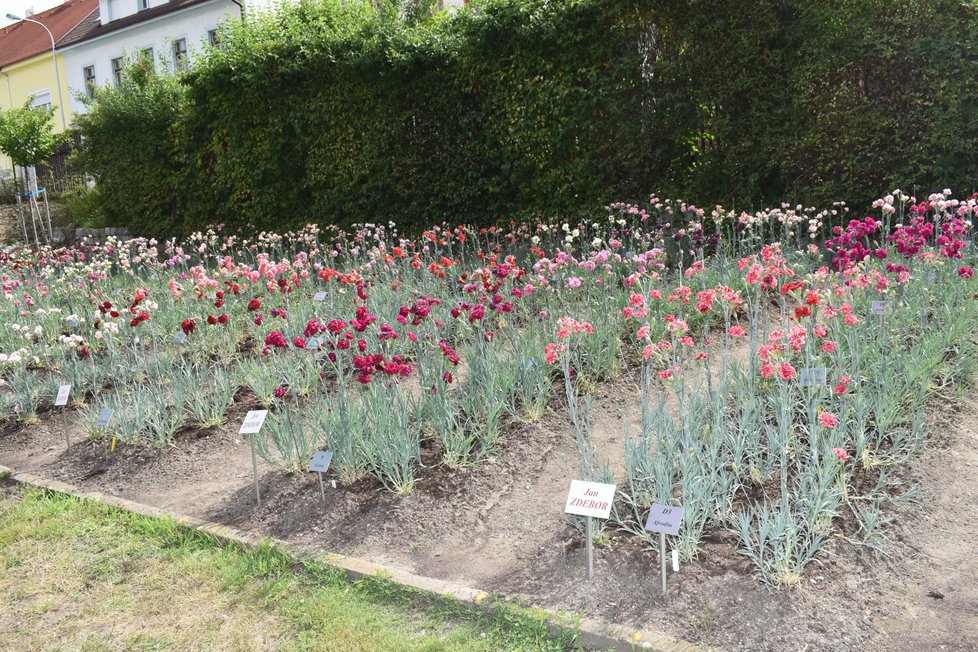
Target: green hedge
x,y
337,112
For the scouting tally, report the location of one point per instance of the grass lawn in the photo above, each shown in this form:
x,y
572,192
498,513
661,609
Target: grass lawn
x,y
76,575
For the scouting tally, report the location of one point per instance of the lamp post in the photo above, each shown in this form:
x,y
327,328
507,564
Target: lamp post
x,y
54,60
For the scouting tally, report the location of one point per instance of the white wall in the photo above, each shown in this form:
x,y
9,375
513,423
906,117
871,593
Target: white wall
x,y
110,10
191,24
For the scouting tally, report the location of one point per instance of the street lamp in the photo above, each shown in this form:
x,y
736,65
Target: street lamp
x,y
54,60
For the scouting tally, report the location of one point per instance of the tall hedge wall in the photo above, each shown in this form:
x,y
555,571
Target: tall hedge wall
x,y
340,112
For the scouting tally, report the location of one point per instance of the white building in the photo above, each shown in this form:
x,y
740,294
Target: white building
x,y
169,32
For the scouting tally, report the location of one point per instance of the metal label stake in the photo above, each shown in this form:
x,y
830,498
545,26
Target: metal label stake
x,y
590,549
252,426
320,464
664,520
662,555
62,401
590,500
254,470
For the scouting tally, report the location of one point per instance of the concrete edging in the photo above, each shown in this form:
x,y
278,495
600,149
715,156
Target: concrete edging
x,y
592,634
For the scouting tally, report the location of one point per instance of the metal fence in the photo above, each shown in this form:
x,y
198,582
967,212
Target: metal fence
x,y
56,174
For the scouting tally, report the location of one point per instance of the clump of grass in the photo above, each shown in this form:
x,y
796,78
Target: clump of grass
x,y
85,576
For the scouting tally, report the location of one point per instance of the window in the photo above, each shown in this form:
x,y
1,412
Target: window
x,y
142,4
117,71
42,98
148,57
89,73
180,54
212,38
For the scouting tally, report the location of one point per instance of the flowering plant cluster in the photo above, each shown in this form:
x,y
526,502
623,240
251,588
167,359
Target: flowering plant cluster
x,y
783,366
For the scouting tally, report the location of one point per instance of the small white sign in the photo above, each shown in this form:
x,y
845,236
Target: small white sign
x,y
590,499
930,277
880,307
320,461
319,297
179,338
253,422
116,292
664,519
313,344
62,398
72,324
104,416
811,376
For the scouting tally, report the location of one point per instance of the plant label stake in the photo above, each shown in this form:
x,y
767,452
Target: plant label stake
x,y
592,500
179,338
103,417
811,376
320,464
665,520
313,344
103,420
62,400
116,292
319,297
880,307
251,426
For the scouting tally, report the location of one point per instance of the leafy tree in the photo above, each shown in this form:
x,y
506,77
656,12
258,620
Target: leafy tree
x,y
27,134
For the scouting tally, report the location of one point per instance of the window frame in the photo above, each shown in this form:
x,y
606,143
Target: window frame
x,y
181,58
41,93
117,64
90,82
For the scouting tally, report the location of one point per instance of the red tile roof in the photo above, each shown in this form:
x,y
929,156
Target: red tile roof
x,y
23,40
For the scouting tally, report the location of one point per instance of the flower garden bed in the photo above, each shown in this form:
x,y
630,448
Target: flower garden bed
x,y
779,393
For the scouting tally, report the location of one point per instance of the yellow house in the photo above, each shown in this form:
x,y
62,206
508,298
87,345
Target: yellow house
x,y
27,63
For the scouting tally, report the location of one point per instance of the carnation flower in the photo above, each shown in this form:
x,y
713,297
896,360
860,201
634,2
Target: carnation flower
x,y
786,371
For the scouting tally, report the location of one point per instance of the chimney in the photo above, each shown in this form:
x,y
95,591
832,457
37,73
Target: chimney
x,y
104,11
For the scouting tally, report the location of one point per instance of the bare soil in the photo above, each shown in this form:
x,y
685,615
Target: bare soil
x,y
500,527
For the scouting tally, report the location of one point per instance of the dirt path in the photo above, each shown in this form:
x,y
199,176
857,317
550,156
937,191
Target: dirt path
x,y
938,541
499,527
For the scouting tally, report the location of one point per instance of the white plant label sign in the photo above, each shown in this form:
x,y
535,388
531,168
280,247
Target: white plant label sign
x,y
880,307
62,398
104,416
116,292
320,461
590,499
664,519
319,297
314,343
179,338
811,376
253,422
